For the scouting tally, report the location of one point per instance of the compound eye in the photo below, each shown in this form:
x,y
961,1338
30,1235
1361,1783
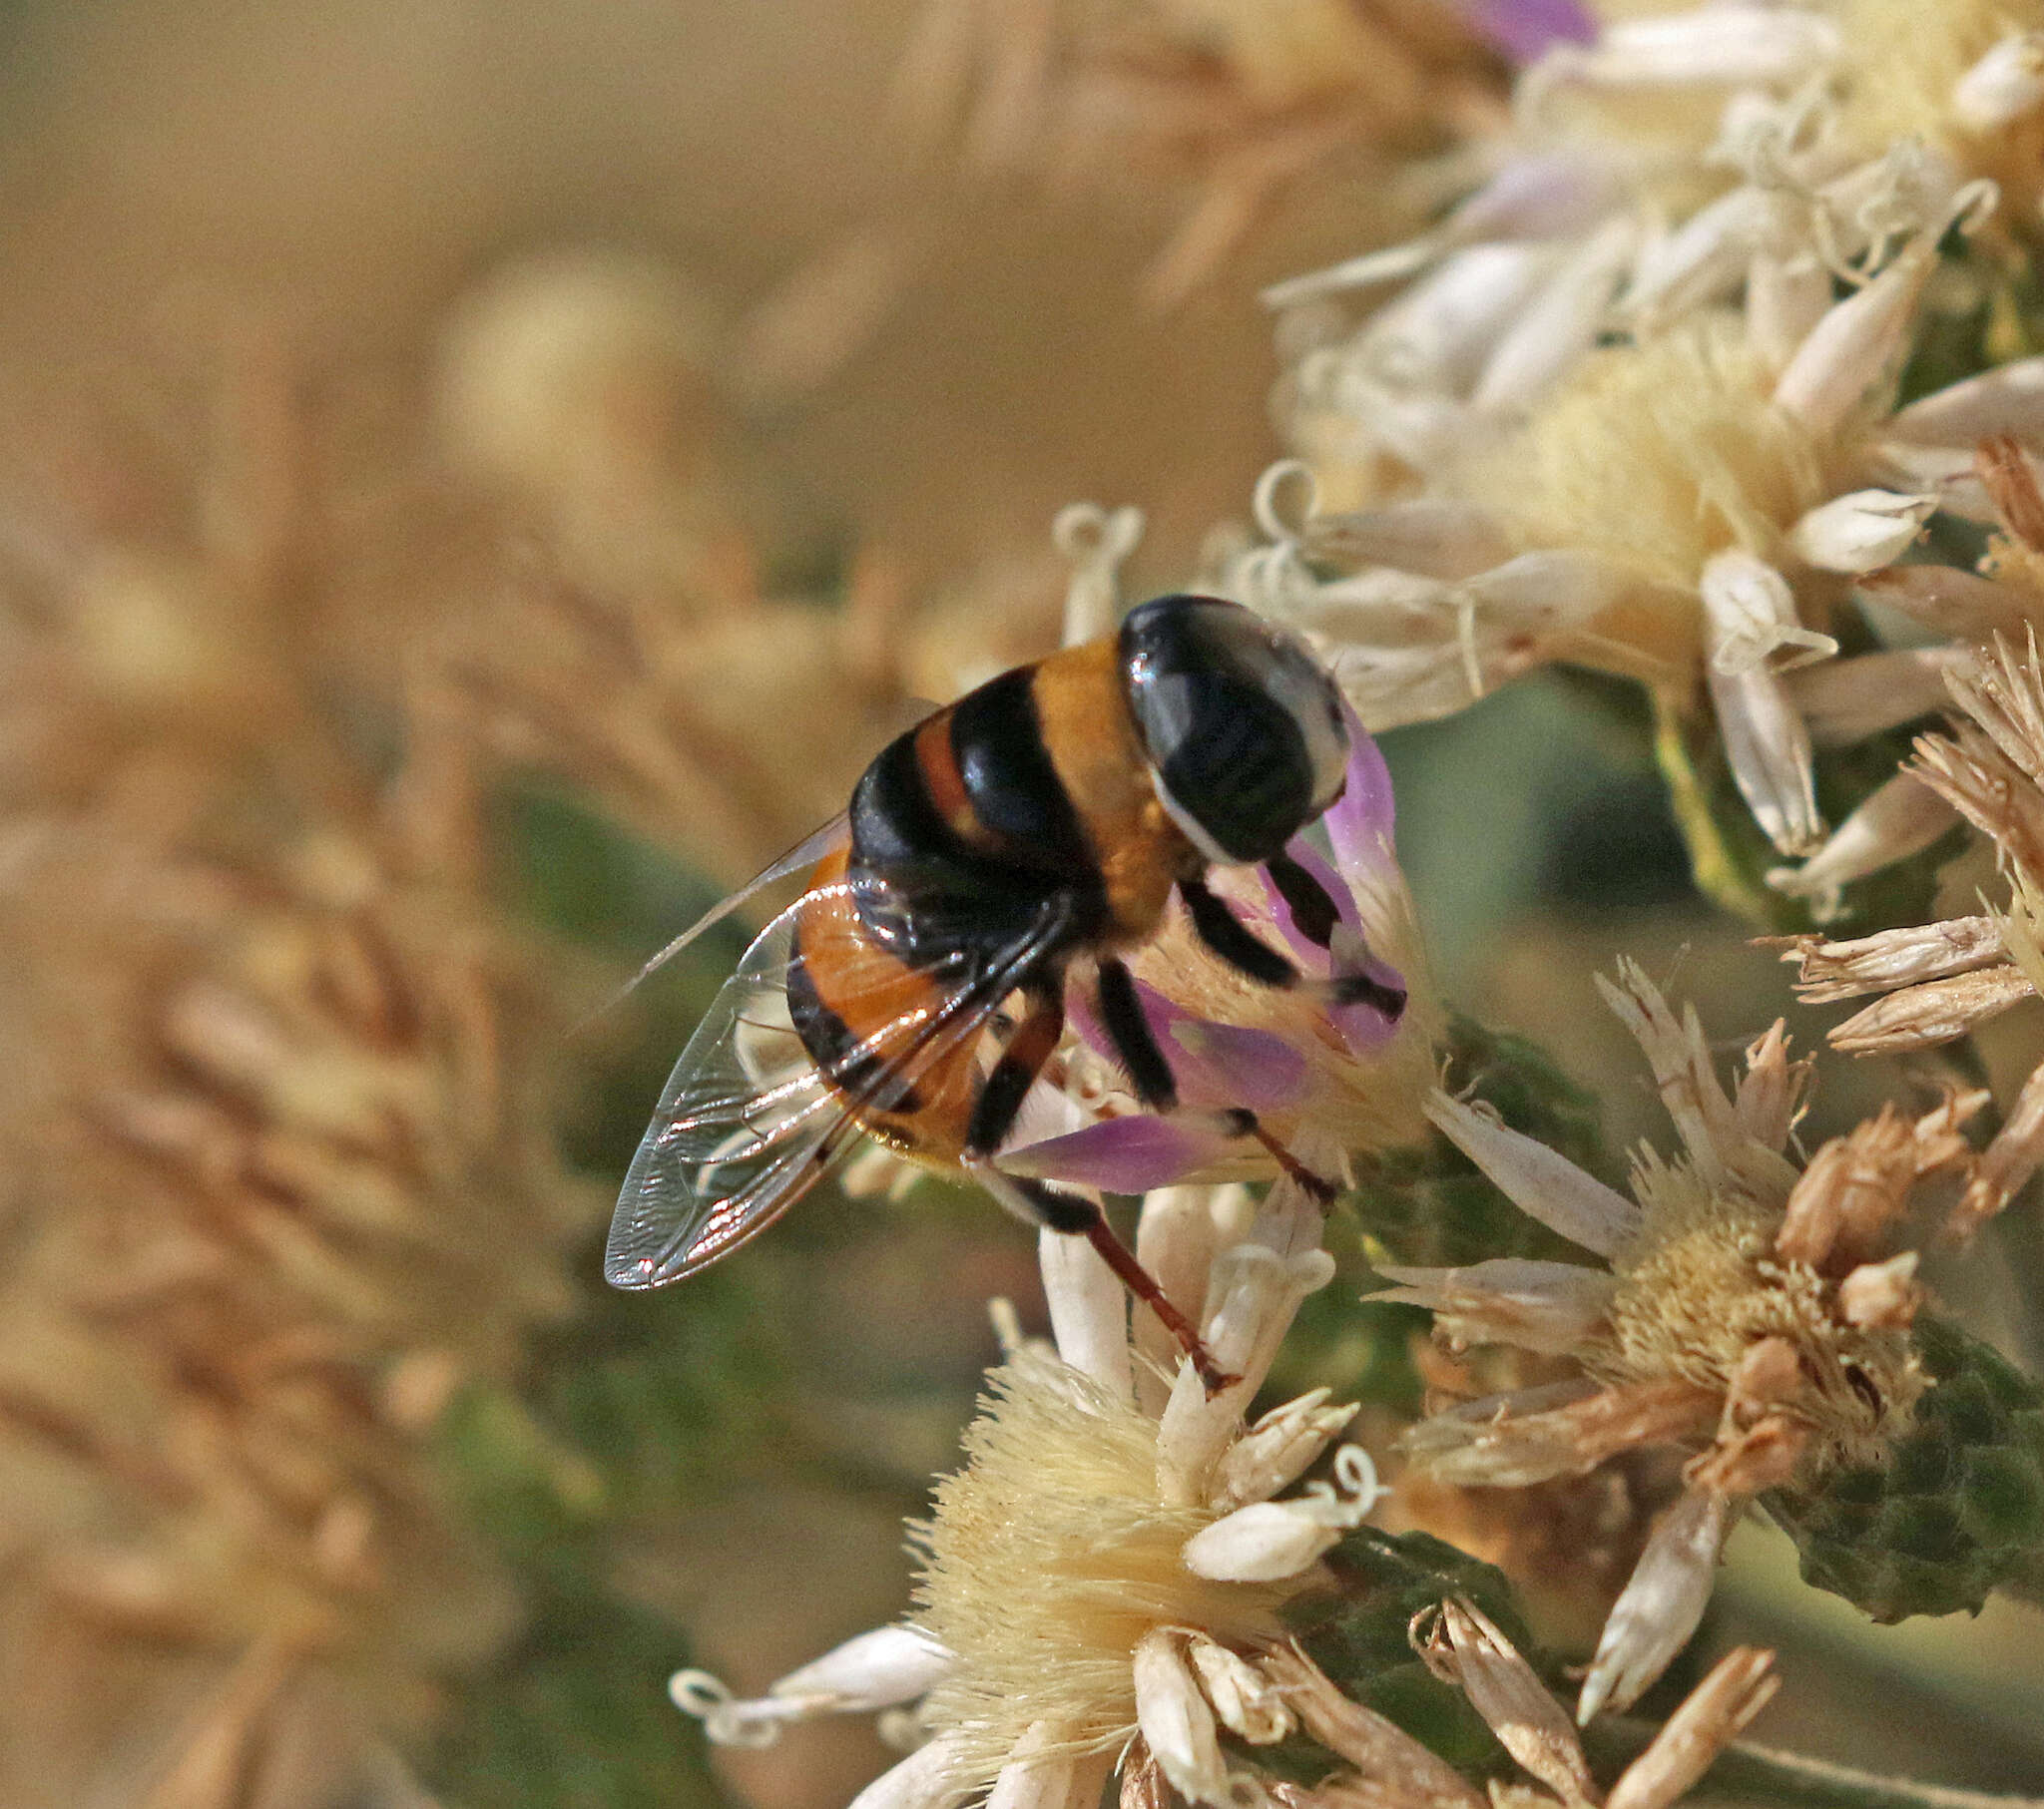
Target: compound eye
x,y
1243,729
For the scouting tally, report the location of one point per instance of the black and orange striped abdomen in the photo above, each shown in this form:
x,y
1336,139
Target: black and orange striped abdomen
x,y
857,1005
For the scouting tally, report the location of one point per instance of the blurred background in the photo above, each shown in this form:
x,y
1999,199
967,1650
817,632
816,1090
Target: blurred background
x,y
477,480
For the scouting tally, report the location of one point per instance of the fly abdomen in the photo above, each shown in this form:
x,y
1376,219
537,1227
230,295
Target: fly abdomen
x,y
961,830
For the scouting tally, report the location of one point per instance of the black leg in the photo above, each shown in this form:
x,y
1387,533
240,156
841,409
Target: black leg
x,y
1035,1037
1306,898
1218,928
1121,1014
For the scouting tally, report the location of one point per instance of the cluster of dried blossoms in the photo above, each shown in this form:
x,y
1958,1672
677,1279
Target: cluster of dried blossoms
x,y
1941,981
1236,100
280,1173
1633,402
1103,1584
285,1082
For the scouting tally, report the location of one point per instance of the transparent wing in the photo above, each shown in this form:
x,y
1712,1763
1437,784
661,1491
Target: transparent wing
x,y
804,855
748,1124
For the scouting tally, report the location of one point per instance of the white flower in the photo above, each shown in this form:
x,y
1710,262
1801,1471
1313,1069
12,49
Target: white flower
x,y
1623,355
1111,1559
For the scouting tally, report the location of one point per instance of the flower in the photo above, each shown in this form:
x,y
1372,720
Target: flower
x,y
1618,414
1110,1561
1682,507
282,1084
1940,981
1747,1313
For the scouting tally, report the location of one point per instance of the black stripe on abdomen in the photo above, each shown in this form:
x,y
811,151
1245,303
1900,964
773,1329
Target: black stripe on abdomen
x,y
839,1051
997,740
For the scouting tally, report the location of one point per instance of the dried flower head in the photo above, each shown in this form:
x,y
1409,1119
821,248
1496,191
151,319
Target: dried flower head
x,y
1749,1314
1938,982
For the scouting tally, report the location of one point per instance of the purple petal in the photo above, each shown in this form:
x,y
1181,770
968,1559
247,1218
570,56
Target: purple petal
x,y
1525,30
1360,823
1122,1155
1224,1066
1308,953
1365,1027
1217,1066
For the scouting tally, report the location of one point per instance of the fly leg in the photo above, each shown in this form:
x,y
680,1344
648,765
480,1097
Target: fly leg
x,y
1121,1014
994,1116
1219,928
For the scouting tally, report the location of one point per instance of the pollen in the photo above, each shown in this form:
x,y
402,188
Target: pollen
x,y
1049,1556
1700,1286
1658,456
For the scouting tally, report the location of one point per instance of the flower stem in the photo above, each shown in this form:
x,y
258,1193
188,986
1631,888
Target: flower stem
x,y
1767,1774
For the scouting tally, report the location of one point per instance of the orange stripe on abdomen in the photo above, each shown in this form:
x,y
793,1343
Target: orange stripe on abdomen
x,y
860,1009
936,763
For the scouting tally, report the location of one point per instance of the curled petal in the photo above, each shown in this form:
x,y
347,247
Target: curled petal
x,y
1126,1154
1255,1293
1862,532
1847,700
1361,822
2006,1165
871,1670
1224,1066
2003,86
1560,324
1855,345
1936,1012
1703,259
1043,1772
1893,958
1432,537
1740,1685
1469,1648
2007,399
927,1779
1218,1067
1088,1310
1786,296
1278,1448
1249,1702
1949,600
1487,1445
1176,1722
1749,617
1262,1543
1436,335
1708,45
1659,1608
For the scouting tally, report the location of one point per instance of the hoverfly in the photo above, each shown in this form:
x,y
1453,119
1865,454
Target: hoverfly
x,y
1030,832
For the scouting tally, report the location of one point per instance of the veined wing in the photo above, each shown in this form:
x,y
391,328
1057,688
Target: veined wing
x,y
749,1123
